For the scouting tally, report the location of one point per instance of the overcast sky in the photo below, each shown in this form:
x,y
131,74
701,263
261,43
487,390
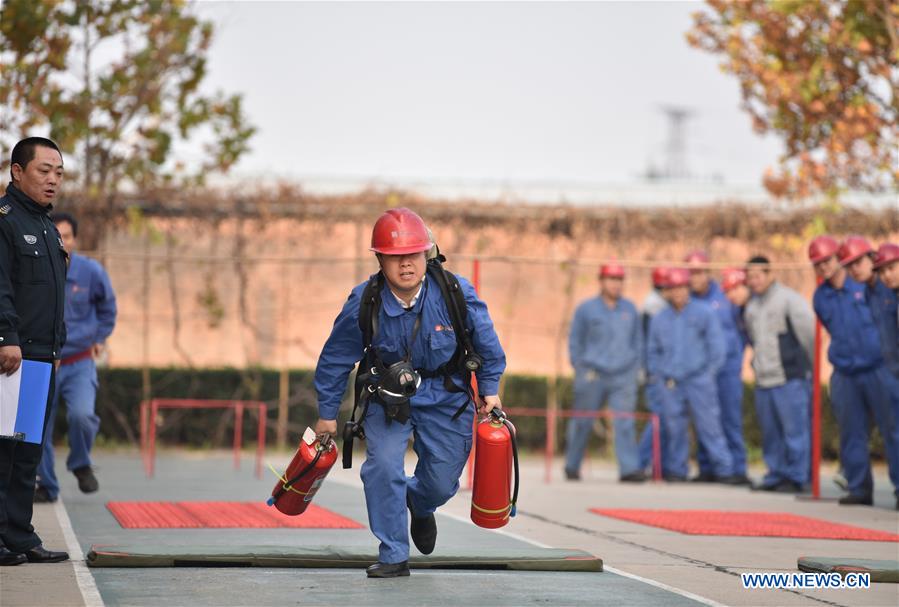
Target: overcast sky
x,y
563,92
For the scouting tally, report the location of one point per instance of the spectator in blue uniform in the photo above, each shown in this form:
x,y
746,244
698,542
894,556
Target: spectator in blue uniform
x,y
686,349
90,315
414,329
858,257
729,380
781,329
605,345
652,305
860,383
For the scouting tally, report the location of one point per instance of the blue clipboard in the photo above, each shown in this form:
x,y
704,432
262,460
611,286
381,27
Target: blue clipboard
x,y
23,401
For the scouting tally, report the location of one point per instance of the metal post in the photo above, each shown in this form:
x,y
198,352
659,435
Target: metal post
x,y
656,448
238,432
262,413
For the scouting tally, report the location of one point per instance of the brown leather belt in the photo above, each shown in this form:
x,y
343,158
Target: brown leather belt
x,y
74,358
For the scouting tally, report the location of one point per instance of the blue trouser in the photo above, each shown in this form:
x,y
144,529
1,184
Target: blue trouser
x,y
77,385
654,404
590,390
730,400
783,413
860,399
442,445
698,398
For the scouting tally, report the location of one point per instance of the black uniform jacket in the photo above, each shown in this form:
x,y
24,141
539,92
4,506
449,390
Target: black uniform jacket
x,y
33,266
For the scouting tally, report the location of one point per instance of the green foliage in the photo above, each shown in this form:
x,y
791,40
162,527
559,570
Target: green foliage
x,y
121,117
120,393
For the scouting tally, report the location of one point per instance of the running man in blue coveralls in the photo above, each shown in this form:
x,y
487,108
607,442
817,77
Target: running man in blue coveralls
x,y
860,382
858,257
729,380
686,349
90,314
606,348
413,325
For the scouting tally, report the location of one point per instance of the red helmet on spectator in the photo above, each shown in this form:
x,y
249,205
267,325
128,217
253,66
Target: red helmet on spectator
x,y
732,277
853,248
611,269
821,248
659,277
697,256
886,254
677,277
400,232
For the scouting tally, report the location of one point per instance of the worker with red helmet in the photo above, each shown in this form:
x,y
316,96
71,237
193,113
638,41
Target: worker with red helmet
x,y
887,266
860,383
729,380
414,384
652,305
781,328
685,351
605,343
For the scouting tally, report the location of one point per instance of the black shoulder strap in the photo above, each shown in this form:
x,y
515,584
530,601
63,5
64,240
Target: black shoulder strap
x,y
369,306
454,298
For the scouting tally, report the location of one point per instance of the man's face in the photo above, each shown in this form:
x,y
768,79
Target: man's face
x,y
677,296
738,295
68,236
827,268
41,179
404,272
611,287
699,281
889,274
758,280
862,269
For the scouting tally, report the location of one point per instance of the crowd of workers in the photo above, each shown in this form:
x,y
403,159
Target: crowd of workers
x,y
687,347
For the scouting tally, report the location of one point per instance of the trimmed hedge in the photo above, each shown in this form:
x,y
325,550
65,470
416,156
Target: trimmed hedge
x,y
120,394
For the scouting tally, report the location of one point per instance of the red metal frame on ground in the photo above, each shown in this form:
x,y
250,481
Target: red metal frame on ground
x,y
149,410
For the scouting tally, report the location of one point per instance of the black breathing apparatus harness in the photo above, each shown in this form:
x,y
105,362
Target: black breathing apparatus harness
x,y
393,385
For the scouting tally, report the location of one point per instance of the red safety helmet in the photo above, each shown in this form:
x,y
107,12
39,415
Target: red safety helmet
x,y
732,277
677,277
400,232
697,256
853,248
611,269
886,254
822,247
659,277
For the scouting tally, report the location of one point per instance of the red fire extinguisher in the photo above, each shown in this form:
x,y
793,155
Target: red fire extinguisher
x,y
495,453
305,474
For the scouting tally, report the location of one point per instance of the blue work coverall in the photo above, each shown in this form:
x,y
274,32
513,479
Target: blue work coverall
x,y
605,345
885,309
441,442
729,381
90,315
686,349
652,305
860,384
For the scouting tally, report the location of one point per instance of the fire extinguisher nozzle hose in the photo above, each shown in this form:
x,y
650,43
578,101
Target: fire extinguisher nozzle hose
x,y
270,501
511,429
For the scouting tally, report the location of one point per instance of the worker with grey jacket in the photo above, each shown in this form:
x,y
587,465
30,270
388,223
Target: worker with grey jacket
x,y
781,328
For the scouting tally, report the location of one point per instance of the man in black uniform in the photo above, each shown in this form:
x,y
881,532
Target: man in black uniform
x,y
32,291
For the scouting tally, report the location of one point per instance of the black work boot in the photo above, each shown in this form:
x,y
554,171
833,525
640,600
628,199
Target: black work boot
x,y
856,500
384,570
423,530
87,482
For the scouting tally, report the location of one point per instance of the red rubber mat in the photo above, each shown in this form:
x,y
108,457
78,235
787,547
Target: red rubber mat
x,y
205,515
755,524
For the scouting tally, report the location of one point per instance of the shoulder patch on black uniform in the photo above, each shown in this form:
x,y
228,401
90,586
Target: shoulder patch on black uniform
x,y
5,209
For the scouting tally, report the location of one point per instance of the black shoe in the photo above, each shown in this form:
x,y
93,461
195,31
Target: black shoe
x,y
423,530
42,496
731,479
380,569
39,554
87,482
741,479
704,477
675,478
761,486
633,477
572,475
8,558
788,487
858,500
